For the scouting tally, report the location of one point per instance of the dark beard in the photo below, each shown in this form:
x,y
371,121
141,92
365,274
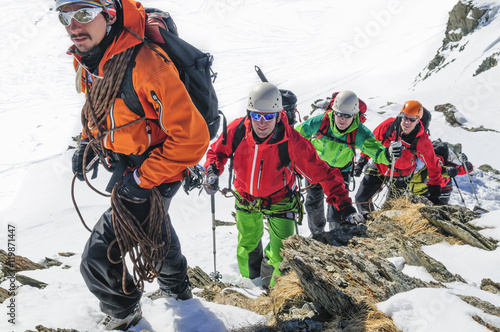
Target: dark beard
x,y
92,58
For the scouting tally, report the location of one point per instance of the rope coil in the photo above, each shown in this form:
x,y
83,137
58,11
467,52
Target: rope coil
x,y
141,240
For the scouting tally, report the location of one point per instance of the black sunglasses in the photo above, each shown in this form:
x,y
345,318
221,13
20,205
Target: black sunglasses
x,y
410,119
347,116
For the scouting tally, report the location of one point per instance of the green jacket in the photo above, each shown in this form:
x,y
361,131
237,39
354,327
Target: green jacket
x,y
338,154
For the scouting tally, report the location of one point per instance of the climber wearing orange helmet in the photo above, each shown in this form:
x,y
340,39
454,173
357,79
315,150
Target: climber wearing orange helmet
x,y
407,129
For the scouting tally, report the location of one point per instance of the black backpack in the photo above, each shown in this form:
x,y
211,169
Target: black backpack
x,y
289,100
193,65
426,120
441,149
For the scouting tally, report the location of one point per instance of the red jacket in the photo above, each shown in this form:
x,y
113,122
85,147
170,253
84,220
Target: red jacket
x,y
259,172
408,161
178,129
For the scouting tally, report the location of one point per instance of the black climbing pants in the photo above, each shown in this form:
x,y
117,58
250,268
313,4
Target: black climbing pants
x,y
104,278
315,209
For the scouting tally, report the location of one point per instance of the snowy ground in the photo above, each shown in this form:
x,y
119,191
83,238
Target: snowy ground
x,y
310,47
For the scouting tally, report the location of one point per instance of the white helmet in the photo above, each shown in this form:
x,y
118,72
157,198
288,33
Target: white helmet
x,y
108,5
265,98
346,102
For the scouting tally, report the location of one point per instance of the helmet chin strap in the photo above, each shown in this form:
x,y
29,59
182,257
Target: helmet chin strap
x,y
104,6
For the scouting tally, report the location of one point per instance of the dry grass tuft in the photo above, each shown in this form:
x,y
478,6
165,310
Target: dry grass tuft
x,y
366,319
411,220
377,321
286,292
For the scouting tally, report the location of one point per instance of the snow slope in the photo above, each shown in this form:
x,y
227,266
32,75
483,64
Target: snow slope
x,y
310,47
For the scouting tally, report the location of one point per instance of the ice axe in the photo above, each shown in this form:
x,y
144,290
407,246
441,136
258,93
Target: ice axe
x,y
261,74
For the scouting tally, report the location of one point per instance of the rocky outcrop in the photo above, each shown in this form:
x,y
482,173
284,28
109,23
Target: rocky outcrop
x,y
449,114
487,63
490,286
342,278
334,280
464,19
449,111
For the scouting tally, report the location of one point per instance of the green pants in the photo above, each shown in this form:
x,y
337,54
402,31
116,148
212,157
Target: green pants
x,y
249,221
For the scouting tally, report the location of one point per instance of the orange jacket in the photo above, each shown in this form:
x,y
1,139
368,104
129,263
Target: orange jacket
x,y
180,131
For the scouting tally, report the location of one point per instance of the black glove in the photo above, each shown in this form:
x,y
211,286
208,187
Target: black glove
x,y
77,160
360,164
356,218
130,189
463,158
434,193
451,171
394,151
346,210
212,180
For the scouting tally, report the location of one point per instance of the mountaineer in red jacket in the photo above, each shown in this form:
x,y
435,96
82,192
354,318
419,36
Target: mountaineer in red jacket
x,y
152,151
267,155
407,133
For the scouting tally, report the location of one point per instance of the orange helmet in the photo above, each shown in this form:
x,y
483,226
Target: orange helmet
x,y
413,107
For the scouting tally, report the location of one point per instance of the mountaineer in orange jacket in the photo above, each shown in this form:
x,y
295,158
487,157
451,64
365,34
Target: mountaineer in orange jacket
x,y
414,143
154,152
267,154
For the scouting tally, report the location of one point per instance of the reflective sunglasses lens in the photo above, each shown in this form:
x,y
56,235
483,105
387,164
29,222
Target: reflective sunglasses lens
x,y
255,116
269,117
62,18
266,117
347,116
84,15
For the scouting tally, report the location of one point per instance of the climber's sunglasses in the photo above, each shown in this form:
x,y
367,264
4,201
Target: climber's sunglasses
x,y
267,116
410,119
347,116
83,15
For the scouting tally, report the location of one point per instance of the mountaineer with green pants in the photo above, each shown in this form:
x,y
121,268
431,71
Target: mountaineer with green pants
x,y
267,154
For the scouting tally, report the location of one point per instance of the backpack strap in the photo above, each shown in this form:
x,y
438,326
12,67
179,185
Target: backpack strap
x,y
413,146
323,132
284,154
239,134
389,131
127,92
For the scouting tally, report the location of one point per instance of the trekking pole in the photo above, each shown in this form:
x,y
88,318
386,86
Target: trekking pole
x,y
470,180
459,191
216,276
230,173
394,161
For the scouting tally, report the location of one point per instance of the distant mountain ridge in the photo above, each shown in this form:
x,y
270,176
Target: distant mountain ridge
x,y
465,19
